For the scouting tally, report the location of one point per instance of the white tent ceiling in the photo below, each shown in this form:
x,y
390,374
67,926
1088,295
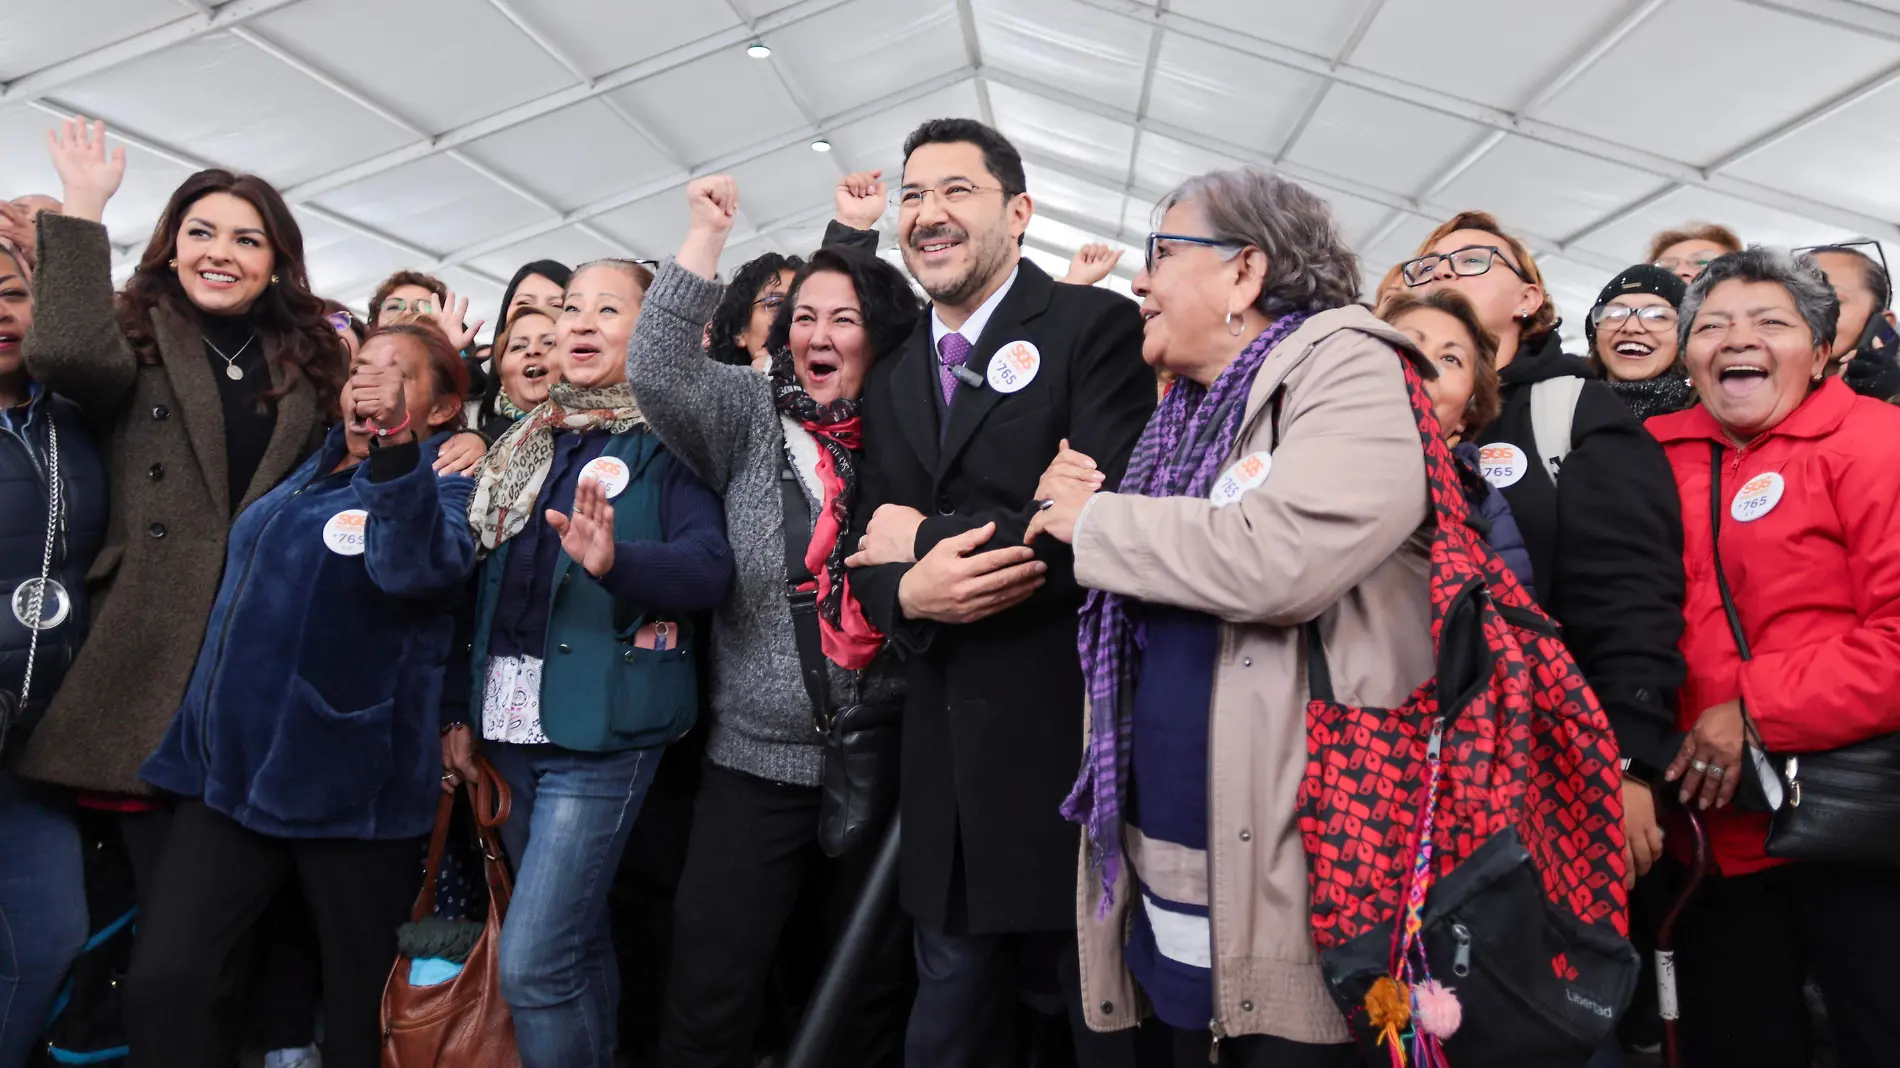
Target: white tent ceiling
x,y
466,137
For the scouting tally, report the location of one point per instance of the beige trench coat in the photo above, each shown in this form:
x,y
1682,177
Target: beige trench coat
x,y
1339,532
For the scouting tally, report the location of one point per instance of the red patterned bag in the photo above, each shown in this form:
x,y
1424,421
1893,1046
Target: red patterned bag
x,y
1465,851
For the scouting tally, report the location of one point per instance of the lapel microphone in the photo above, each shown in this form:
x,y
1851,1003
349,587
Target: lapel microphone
x,y
966,376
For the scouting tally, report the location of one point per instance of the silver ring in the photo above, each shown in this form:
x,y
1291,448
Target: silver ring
x,y
1716,771
450,777
1699,765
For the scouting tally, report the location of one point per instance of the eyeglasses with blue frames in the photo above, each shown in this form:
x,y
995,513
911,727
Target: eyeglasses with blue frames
x,y
1158,250
1467,262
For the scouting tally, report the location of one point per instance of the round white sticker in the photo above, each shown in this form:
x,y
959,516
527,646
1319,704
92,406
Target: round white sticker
x,y
611,472
1502,464
1248,471
1014,366
1757,497
343,534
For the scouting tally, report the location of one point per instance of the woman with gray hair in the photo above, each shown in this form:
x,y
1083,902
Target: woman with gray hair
x,y
1231,529
1791,511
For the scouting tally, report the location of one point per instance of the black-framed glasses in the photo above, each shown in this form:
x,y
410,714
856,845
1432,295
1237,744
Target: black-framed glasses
x,y
1155,248
955,191
1857,247
1468,262
1653,316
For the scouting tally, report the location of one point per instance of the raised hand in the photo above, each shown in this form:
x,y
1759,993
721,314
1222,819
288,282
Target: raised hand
x,y
451,320
89,174
1091,264
17,230
860,199
712,203
587,535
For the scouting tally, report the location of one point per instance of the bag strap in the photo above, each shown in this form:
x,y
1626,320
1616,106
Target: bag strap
x,y
801,593
432,868
1715,541
1553,413
489,796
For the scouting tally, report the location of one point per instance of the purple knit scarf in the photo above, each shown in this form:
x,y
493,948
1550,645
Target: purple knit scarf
x,y
1180,454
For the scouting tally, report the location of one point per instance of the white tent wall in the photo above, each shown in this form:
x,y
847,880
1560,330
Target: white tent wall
x,y
466,137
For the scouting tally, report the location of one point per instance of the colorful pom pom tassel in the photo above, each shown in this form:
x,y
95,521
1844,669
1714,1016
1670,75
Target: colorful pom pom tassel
x,y
1439,1012
1389,1010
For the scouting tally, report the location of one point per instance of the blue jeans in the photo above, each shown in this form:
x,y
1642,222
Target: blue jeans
x,y
42,910
572,812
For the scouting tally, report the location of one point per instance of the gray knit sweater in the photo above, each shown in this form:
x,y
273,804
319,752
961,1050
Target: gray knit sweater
x,y
720,421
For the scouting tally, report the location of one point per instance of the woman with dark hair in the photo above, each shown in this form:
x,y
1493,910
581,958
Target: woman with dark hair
x,y
215,372
308,744
524,367
52,522
1633,341
1591,492
536,285
349,329
748,308
754,845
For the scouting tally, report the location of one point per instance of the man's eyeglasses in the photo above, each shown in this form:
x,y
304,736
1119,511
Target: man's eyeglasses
x,y
1864,247
911,198
1654,316
1157,249
1468,262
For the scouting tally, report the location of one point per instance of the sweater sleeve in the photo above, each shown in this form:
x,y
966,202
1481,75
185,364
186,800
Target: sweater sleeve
x,y
838,235
1845,688
1617,579
417,543
75,348
703,410
690,569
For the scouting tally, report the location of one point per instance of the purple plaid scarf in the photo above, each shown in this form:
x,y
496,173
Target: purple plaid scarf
x,y
1180,454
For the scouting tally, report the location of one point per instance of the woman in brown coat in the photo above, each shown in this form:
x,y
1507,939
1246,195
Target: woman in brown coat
x,y
1281,481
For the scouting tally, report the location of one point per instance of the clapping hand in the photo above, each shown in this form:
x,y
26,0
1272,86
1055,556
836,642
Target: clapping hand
x,y
587,535
860,199
88,172
1091,264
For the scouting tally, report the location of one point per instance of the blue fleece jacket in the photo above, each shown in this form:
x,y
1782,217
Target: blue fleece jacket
x,y
314,708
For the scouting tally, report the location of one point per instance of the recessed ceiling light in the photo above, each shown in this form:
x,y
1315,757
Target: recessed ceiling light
x,y
821,145
759,50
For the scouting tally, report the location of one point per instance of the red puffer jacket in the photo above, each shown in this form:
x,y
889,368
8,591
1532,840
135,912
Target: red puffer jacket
x,y
1811,545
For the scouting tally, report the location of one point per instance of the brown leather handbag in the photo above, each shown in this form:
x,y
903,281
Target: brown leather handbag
x,y
462,1023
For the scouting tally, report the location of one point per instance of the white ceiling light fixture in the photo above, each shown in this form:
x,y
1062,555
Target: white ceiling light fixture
x,y
821,145
759,50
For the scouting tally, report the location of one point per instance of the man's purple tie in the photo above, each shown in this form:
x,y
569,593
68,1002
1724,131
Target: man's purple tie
x,y
954,352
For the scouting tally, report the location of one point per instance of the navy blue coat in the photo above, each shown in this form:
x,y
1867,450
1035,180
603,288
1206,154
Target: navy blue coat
x,y
23,446
1488,506
314,709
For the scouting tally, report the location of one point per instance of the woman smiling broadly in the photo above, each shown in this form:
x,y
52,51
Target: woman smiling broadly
x,y
1789,497
216,373
600,549
754,844
524,367
1634,343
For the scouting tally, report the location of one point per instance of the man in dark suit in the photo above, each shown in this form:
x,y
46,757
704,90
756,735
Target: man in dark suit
x,y
959,425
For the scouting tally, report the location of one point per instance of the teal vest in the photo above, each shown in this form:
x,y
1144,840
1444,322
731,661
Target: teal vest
x,y
599,692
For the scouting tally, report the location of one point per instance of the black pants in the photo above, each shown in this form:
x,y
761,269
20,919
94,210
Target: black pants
x,y
1193,1049
977,995
213,882
1747,945
754,848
